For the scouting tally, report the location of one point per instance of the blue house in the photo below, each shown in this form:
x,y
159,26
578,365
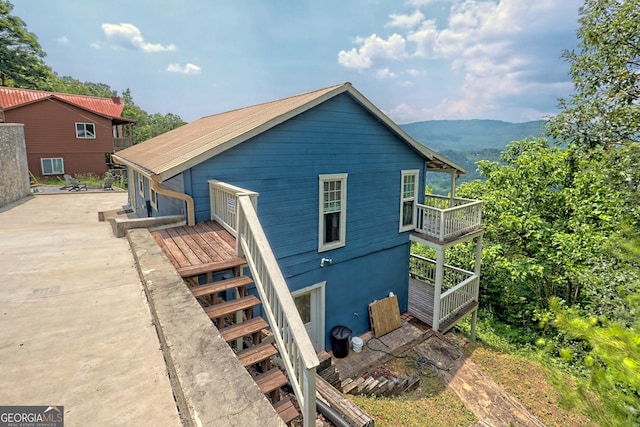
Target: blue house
x,y
324,188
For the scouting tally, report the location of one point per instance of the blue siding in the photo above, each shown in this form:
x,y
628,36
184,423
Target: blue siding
x,y
140,207
171,205
283,165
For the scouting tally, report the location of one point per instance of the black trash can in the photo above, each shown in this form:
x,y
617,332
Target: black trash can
x,y
340,341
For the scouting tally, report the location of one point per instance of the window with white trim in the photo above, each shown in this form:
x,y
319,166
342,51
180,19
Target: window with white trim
x,y
333,211
153,198
408,199
85,130
52,166
141,184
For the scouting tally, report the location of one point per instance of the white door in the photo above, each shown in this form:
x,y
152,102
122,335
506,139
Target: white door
x,y
310,304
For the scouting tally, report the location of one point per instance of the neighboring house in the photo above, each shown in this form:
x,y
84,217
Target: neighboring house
x,y
339,196
65,133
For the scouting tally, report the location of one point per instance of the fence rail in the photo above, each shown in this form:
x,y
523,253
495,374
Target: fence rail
x,y
223,199
445,218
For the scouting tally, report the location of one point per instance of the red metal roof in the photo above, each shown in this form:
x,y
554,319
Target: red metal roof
x,y
14,97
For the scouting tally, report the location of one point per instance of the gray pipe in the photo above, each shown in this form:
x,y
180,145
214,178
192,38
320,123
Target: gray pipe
x,y
331,414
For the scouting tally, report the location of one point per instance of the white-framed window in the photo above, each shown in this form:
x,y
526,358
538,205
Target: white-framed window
x,y
140,184
333,211
52,166
85,130
153,198
408,199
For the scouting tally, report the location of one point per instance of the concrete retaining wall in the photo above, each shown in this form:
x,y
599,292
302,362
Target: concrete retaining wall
x,y
14,169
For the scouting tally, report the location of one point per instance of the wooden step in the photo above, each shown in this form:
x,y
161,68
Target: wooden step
x,y
229,307
271,380
221,286
286,410
195,270
250,327
256,354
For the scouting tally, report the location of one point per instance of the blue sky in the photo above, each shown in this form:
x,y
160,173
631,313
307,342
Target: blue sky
x,y
415,59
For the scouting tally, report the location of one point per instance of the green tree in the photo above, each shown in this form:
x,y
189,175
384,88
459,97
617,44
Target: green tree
x,y
606,75
148,125
612,359
21,56
548,216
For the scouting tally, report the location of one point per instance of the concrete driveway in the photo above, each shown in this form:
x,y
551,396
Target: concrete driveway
x,y
75,327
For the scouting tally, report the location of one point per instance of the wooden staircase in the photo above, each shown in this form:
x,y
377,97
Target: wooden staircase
x,y
231,309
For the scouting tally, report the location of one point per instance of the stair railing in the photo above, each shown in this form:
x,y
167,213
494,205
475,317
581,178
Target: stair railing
x,y
295,347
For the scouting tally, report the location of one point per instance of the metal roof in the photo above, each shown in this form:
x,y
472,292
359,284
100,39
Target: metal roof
x,y
166,155
11,98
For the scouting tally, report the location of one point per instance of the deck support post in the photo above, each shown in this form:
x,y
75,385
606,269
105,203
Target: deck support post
x,y
476,270
474,318
309,393
452,190
438,287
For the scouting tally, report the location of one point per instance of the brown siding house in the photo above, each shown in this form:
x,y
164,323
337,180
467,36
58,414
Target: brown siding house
x,y
64,133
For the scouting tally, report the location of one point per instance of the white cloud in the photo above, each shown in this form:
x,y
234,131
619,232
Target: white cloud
x,y
422,2
501,53
187,69
385,73
371,49
63,40
128,36
405,21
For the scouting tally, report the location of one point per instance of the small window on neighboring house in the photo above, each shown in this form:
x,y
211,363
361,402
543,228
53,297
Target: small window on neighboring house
x,y
141,184
153,198
52,166
333,212
408,198
85,130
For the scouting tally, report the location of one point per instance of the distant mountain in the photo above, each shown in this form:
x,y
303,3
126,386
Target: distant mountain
x,y
466,142
471,135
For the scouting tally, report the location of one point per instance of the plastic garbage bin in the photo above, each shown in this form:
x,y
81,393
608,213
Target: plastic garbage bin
x,y
340,341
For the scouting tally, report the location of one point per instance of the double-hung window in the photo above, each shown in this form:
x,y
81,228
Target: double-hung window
x,y
333,212
85,130
153,198
141,184
52,166
408,199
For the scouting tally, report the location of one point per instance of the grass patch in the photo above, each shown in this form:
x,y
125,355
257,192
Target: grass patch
x,y
527,381
431,404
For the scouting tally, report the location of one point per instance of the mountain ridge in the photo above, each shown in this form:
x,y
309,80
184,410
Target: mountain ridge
x,y
472,134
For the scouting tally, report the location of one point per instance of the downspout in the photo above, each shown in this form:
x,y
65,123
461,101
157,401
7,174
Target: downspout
x,y
191,216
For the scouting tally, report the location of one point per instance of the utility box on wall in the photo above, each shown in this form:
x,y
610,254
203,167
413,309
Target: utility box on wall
x,y
14,169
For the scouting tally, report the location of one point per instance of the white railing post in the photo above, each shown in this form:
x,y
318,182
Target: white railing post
x,y
438,288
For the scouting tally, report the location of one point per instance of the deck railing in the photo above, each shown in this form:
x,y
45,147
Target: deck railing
x,y
296,350
444,218
458,289
121,143
223,199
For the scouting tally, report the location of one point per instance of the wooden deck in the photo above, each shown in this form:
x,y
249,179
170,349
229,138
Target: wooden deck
x,y
200,249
